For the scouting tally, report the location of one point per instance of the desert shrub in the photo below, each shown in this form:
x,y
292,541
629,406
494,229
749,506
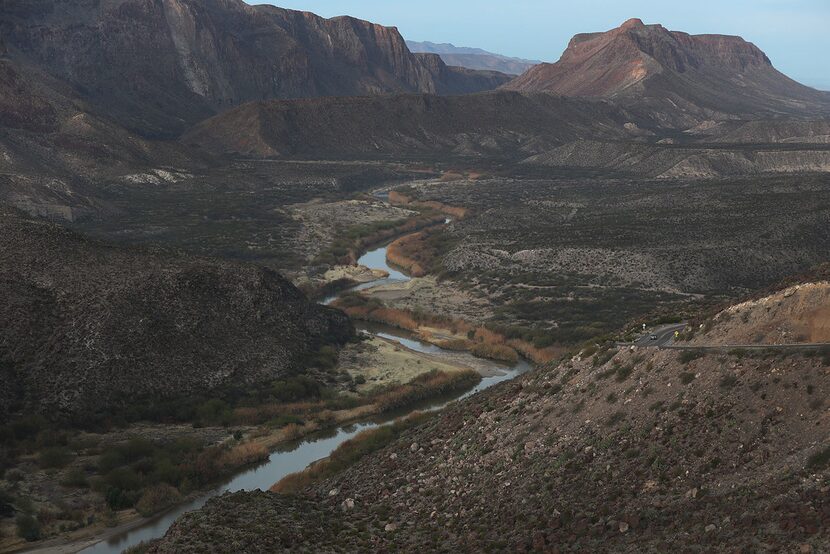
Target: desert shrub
x,y
6,504
687,356
215,412
687,377
157,498
360,380
495,352
728,381
110,459
296,389
54,457
75,478
624,372
819,460
28,527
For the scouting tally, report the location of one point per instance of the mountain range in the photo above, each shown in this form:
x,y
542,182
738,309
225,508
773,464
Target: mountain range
x,y
157,67
473,58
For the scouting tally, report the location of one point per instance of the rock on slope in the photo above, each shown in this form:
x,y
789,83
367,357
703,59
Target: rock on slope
x,y
87,328
696,75
158,66
623,451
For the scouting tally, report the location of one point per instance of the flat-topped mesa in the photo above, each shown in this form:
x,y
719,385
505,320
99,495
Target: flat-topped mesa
x,y
720,72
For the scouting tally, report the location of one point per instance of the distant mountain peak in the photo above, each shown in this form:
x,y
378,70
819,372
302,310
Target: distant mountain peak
x,y
473,58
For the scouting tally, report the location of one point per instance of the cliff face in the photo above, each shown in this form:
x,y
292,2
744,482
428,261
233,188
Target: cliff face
x,y
648,63
87,327
158,66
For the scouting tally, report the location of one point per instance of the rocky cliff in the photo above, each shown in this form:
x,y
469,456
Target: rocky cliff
x,y
88,328
158,66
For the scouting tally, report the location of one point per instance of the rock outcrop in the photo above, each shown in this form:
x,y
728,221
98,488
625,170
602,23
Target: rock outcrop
x,y
89,328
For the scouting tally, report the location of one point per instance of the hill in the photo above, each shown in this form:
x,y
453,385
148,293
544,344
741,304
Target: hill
x,y
90,328
496,124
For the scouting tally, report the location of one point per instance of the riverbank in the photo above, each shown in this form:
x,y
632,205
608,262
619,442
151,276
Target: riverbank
x,y
447,332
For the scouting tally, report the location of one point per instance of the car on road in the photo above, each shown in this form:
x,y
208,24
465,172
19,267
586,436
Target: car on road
x,y
653,337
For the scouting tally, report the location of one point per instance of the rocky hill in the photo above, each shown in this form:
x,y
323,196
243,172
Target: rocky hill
x,y
499,124
611,451
89,328
473,58
698,75
797,314
158,66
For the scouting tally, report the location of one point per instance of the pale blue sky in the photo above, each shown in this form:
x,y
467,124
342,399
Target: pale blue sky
x,y
795,34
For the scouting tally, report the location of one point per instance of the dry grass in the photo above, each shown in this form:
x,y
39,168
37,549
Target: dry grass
x,y
499,352
424,386
348,453
242,455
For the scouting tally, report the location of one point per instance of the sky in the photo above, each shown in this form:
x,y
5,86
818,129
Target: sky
x,y
795,34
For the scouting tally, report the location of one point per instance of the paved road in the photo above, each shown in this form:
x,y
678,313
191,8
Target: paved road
x,y
665,335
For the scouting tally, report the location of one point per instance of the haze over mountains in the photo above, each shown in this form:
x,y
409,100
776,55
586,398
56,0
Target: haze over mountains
x,y
473,58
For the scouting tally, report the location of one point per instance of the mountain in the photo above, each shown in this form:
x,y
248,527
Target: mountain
x,y
158,66
496,124
473,58
88,328
697,75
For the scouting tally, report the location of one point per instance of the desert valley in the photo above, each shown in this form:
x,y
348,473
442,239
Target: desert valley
x,y
273,282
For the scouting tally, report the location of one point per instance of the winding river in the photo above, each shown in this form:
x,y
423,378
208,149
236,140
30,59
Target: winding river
x,y
294,457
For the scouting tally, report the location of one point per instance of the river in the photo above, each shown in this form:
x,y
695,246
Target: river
x,y
291,458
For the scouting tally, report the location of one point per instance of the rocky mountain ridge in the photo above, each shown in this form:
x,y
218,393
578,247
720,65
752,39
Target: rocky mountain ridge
x,y
158,66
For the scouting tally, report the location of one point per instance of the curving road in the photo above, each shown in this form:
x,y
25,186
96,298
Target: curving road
x,y
665,336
